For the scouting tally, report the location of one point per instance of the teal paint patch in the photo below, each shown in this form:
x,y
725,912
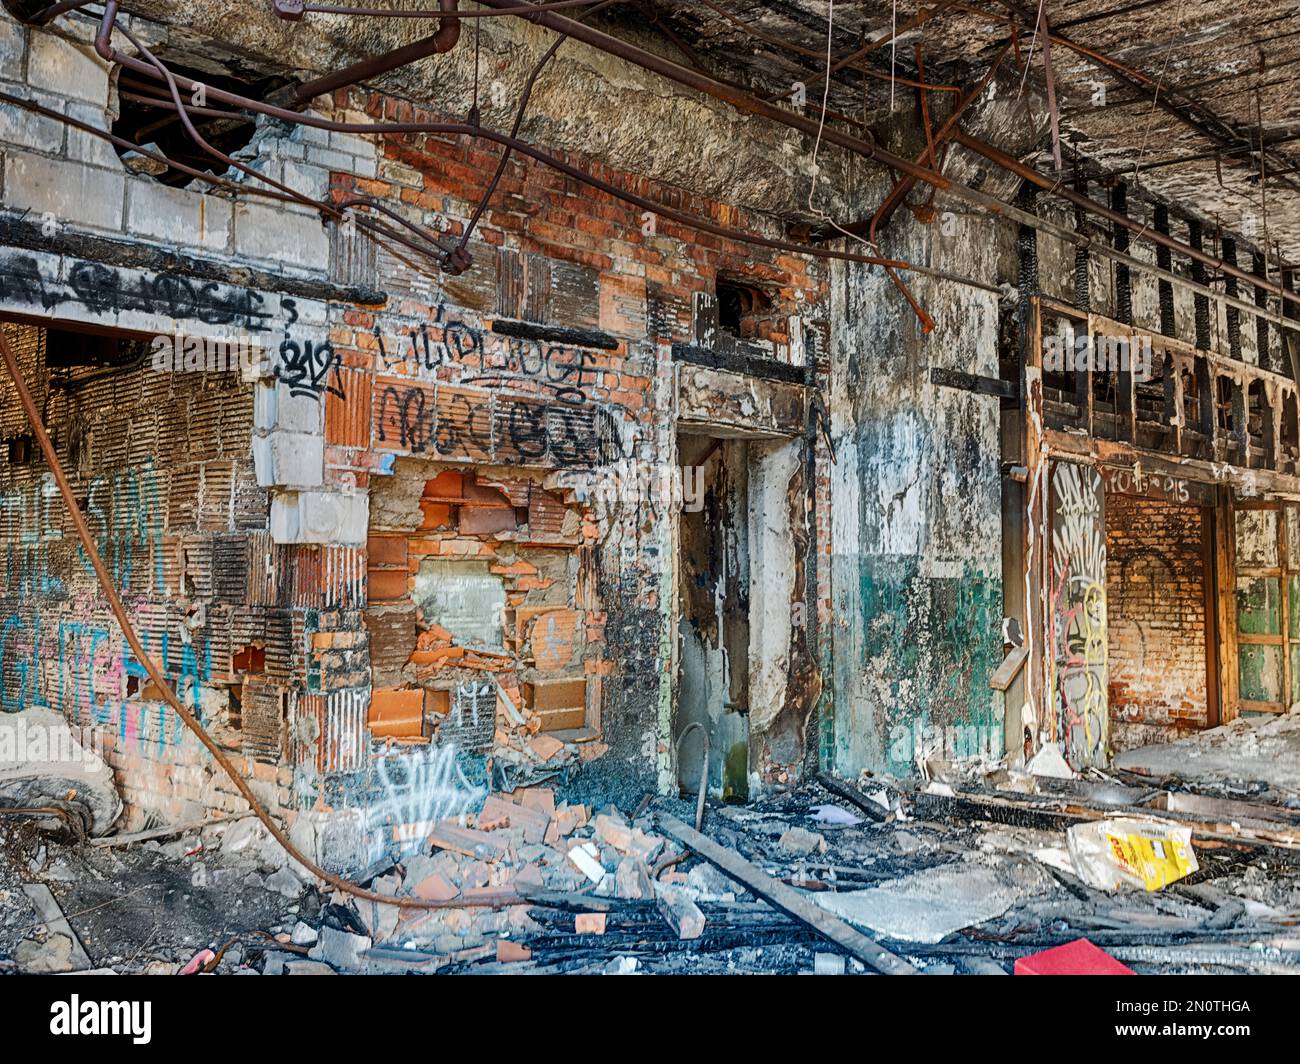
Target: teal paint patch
x,y
928,649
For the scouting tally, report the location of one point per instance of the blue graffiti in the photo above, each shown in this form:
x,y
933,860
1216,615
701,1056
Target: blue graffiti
x,y
125,507
31,518
84,652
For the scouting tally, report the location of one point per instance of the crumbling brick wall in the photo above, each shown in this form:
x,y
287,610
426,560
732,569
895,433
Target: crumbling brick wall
x,y
1155,600
162,467
546,371
580,397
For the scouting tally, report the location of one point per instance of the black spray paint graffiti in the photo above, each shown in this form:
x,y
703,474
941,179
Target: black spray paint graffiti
x,y
308,368
562,371
482,426
106,290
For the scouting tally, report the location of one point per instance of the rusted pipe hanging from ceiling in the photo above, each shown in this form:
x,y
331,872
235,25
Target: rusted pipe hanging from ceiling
x,y
444,40
867,227
898,194
743,101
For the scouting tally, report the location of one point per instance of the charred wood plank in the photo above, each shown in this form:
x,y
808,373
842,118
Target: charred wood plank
x,y
788,900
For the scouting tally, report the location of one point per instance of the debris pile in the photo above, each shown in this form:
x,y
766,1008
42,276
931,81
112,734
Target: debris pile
x,y
964,875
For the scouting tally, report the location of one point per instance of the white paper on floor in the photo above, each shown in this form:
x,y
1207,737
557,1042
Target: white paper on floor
x,y
927,906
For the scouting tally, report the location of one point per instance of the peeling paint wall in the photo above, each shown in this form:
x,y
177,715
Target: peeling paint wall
x,y
916,525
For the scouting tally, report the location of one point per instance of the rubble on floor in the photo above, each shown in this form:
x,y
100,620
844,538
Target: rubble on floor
x,y
1250,756
533,884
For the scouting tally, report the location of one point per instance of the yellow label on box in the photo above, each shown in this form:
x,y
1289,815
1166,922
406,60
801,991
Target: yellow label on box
x,y
1157,862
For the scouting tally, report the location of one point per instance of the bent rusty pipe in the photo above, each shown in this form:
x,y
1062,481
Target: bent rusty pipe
x,y
443,41
704,768
898,194
109,588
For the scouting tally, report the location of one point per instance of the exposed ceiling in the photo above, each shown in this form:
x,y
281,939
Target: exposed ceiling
x,y
1179,92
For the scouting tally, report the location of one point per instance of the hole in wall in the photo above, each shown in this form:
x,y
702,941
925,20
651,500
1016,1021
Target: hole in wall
x,y
144,122
251,658
742,308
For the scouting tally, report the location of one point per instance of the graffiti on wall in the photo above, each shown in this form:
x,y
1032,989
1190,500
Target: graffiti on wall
x,y
1078,633
559,371
86,670
309,366
417,789
123,511
104,289
477,425
59,650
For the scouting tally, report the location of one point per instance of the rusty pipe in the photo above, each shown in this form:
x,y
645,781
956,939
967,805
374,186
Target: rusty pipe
x,y
1028,173
704,768
898,194
743,101
944,133
444,40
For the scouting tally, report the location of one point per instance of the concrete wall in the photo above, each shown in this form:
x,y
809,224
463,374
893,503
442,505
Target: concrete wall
x,y
916,523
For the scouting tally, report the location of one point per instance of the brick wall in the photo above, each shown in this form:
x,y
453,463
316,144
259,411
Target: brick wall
x,y
1155,601
163,467
248,498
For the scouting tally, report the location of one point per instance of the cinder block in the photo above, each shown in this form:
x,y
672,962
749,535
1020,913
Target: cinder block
x,y
285,515
348,515
312,134
67,69
298,412
312,181
85,147
276,408
319,517
289,460
73,192
264,397
282,236
331,160
177,216
13,46
28,130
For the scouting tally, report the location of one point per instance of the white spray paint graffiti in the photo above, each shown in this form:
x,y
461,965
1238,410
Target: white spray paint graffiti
x,y
420,788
